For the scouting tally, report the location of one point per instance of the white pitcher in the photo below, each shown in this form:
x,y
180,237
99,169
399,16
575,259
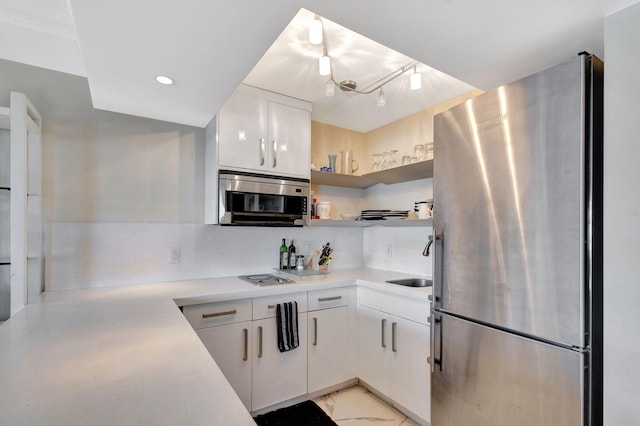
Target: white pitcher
x,y
347,162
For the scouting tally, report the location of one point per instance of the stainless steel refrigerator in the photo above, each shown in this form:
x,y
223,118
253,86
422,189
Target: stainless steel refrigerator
x,y
517,301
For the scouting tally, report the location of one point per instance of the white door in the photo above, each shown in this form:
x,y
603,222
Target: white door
x,y
230,347
277,376
332,355
289,141
410,373
242,134
374,345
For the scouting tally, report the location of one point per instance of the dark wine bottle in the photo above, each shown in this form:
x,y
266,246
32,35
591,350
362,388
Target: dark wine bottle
x,y
284,255
292,256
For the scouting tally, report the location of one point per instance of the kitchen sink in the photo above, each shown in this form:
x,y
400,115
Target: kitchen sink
x,y
412,282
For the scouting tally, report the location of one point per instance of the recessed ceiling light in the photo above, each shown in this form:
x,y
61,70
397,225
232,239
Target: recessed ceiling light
x,y
163,79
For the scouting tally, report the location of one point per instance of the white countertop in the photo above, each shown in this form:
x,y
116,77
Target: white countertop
x,y
127,356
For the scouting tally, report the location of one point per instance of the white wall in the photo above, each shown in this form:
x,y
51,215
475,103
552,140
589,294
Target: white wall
x,y
622,218
399,196
118,168
120,192
406,244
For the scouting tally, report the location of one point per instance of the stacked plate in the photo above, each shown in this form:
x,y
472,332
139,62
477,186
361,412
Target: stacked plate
x,y
383,214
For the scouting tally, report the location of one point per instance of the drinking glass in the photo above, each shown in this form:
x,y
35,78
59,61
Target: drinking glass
x,y
428,151
376,162
394,160
406,159
385,161
418,152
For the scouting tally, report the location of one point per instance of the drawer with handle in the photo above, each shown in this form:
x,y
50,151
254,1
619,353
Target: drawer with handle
x,y
218,313
330,298
265,307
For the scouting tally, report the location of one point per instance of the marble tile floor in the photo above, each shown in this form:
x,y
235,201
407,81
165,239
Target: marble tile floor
x,y
356,406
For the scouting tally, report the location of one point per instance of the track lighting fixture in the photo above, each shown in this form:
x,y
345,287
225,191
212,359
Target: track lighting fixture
x,y
324,64
330,88
315,31
382,99
415,81
317,36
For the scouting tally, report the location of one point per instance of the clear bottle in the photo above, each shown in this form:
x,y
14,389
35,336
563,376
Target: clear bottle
x,y
292,256
284,255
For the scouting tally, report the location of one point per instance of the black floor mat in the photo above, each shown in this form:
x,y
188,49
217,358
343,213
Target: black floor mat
x,y
304,414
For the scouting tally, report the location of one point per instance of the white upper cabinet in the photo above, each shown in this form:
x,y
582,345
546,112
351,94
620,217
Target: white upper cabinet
x,y
289,143
260,131
243,132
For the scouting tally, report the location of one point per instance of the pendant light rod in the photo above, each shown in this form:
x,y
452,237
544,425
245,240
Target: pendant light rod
x,y
381,82
378,83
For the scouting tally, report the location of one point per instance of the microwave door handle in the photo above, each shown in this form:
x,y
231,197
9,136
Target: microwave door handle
x,y
275,154
262,150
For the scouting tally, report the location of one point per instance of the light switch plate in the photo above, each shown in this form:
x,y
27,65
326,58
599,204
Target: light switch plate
x,y
174,255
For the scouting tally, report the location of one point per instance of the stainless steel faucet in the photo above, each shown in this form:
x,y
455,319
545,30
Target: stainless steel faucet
x,y
427,248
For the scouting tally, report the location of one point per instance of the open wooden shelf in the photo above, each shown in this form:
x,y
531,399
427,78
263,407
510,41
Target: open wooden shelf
x,y
406,223
406,173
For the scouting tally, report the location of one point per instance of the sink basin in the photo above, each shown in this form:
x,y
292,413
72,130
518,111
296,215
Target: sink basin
x,y
412,282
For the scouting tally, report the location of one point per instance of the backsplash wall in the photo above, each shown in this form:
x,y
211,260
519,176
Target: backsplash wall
x,y
82,255
405,246
110,254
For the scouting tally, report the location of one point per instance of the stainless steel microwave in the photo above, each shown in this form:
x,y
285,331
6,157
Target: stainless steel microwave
x,y
262,200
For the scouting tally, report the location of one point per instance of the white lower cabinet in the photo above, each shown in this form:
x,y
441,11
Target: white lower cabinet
x,y
373,349
231,348
410,373
277,376
242,338
389,353
331,336
392,357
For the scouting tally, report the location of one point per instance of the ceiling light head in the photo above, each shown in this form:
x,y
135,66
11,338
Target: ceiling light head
x,y
415,80
163,79
348,85
324,65
329,88
315,31
382,99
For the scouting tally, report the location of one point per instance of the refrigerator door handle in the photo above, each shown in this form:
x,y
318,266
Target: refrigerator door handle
x,y
432,340
435,323
438,269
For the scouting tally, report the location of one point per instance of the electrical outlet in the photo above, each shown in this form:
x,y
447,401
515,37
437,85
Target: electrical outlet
x,y
174,255
389,250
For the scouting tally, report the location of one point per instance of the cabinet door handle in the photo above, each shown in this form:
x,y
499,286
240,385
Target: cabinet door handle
x,y
393,336
263,149
260,342
328,299
275,153
383,324
315,332
219,314
245,334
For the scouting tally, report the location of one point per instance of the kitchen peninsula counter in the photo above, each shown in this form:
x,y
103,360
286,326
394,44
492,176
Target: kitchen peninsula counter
x,y
127,355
